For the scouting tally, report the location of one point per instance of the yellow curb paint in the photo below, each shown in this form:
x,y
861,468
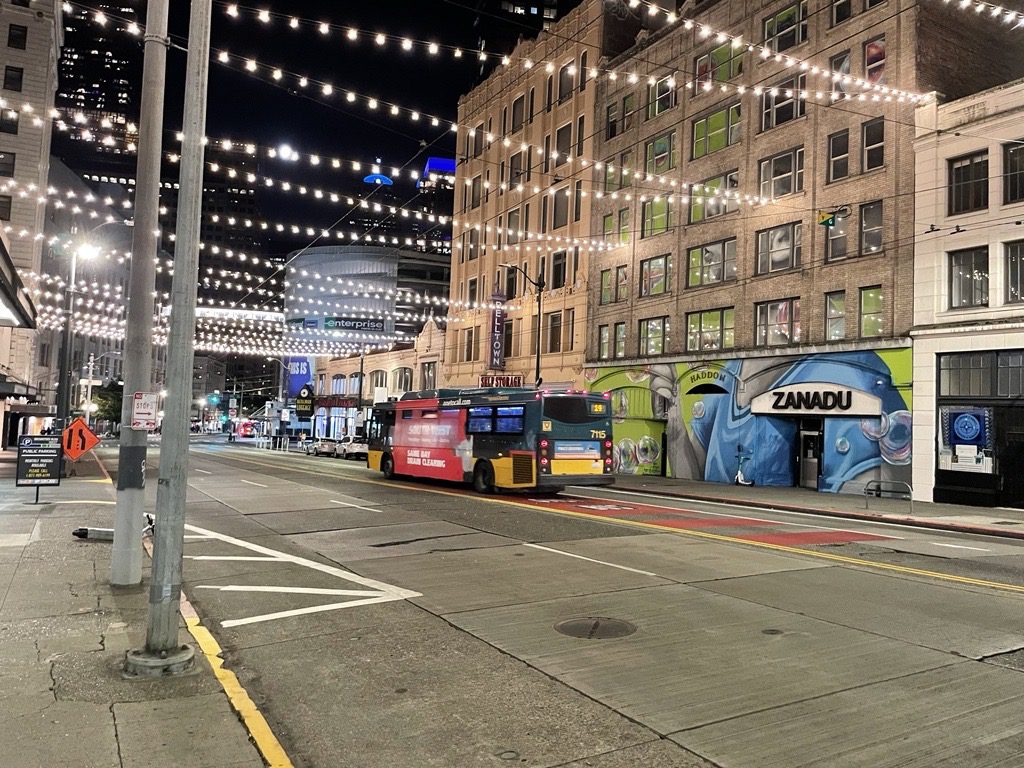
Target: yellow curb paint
x,y
666,529
266,742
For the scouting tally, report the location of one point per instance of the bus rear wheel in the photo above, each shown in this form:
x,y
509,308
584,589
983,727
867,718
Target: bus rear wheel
x,y
387,466
483,477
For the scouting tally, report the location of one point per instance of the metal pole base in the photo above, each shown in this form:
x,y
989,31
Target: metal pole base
x,y
143,664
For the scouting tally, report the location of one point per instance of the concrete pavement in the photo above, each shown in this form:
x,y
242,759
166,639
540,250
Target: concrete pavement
x,y
63,635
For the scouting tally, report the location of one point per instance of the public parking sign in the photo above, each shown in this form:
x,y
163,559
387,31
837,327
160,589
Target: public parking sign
x,y
38,460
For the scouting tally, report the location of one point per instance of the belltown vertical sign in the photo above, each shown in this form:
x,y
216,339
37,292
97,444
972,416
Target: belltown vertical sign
x,y
496,349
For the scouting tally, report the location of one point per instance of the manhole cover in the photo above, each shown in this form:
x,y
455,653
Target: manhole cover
x,y
595,628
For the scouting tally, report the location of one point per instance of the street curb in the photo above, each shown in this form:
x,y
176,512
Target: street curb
x,y
909,521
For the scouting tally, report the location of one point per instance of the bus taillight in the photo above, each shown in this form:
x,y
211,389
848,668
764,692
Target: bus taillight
x,y
543,443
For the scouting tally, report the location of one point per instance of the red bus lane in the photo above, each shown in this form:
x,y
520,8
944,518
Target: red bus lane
x,y
751,529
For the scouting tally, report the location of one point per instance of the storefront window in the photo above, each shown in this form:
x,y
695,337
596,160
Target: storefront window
x,y
965,375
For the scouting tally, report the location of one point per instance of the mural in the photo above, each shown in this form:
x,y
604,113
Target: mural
x,y
695,418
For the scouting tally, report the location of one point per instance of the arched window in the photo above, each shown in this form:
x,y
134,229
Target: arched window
x,y
353,383
401,379
338,384
378,379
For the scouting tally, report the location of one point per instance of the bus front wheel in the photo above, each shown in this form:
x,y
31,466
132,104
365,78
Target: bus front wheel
x,y
483,477
387,466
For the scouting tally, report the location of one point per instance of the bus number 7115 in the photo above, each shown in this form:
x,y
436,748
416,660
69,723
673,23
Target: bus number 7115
x,y
598,434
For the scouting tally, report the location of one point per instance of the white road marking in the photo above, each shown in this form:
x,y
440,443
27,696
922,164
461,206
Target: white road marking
x,y
738,506
82,501
204,471
291,590
356,506
382,592
590,559
250,482
231,557
958,546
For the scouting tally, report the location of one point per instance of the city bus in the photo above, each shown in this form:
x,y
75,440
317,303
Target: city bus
x,y
495,438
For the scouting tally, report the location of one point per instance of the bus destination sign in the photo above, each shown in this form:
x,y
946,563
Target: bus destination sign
x,y
501,380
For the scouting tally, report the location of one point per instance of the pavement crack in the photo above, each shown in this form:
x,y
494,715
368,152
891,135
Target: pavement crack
x,y
117,735
423,538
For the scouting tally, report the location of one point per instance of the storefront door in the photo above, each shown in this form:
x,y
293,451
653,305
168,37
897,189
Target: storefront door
x,y
810,459
1011,459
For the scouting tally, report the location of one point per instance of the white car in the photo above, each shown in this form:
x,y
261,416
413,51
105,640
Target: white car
x,y
351,446
323,446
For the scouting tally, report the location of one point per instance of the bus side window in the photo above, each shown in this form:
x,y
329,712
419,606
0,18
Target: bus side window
x,y
407,414
481,419
511,420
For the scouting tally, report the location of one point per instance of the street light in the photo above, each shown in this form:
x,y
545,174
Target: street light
x,y
85,251
539,285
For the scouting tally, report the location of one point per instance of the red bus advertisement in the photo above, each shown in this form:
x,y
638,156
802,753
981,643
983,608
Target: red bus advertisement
x,y
511,439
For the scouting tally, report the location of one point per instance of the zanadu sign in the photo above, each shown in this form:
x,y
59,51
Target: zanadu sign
x,y
816,399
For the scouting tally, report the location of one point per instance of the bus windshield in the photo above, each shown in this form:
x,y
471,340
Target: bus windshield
x,y
574,410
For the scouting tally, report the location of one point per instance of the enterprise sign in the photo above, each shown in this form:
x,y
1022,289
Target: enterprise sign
x,y
817,399
351,324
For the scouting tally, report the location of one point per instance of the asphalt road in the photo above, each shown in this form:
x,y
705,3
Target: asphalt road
x,y
405,624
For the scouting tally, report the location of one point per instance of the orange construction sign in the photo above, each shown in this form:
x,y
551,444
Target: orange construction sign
x,y
78,439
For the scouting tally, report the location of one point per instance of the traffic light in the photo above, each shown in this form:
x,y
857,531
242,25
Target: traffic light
x,y
213,400
223,418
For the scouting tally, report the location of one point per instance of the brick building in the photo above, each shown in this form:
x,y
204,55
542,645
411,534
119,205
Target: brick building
x,y
523,198
968,293
726,327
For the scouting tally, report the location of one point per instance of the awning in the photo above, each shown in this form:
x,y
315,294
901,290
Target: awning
x,y
12,388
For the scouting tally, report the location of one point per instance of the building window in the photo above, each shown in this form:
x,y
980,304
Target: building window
x,y
713,329
5,207
17,36
777,323
558,264
608,226
566,82
968,278
611,176
872,3
583,72
604,342
778,248
782,103
518,113
660,153
715,199
621,283
563,144
968,183
577,197
338,384
787,28
581,133
874,60
474,244
476,187
841,11
965,375
661,97
835,316
873,141
471,292
871,312
570,330
1013,172
469,348
1015,272
719,65
716,131
871,228
606,287
625,167
510,282
783,174
514,226
611,120
654,275
378,379
7,163
507,336
9,121
549,93
553,332
840,65
515,169
428,375
620,341
623,226
560,208
712,263
478,140
836,246
628,110
656,217
652,336
839,155
13,77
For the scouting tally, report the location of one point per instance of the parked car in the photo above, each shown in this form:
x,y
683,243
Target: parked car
x,y
352,446
323,446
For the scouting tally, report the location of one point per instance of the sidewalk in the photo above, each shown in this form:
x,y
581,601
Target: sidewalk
x,y
63,635
951,517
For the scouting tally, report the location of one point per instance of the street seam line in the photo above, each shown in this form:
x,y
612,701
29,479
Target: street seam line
x,y
696,534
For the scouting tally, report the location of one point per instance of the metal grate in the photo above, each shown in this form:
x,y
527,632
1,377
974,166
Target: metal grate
x,y
522,468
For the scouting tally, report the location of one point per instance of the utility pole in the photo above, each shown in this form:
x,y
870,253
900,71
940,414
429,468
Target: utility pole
x,y
126,557
162,654
88,388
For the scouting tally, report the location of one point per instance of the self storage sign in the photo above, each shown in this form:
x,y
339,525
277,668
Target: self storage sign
x,y
38,460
